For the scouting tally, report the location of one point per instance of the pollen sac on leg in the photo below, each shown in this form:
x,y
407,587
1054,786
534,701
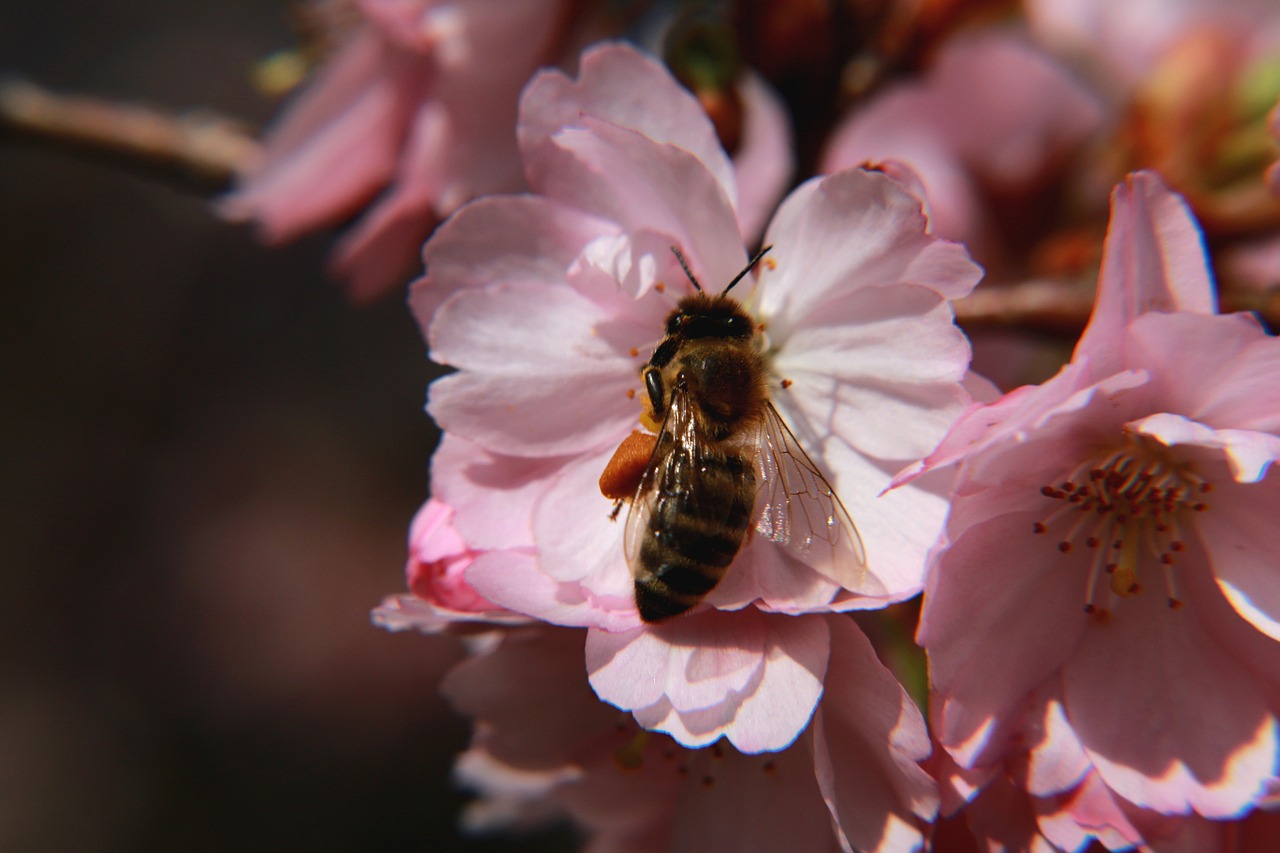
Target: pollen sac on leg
x,y
621,477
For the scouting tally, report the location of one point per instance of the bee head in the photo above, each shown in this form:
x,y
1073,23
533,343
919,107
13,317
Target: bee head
x,y
701,316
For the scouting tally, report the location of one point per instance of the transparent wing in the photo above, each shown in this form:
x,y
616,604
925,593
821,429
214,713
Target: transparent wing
x,y
797,508
674,457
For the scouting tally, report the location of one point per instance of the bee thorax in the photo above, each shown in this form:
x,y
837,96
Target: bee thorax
x,y
726,383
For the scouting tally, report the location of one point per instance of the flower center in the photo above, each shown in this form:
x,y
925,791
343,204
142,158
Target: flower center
x,y
1126,507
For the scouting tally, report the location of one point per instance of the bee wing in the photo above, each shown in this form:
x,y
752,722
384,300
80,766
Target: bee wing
x,y
677,448
797,508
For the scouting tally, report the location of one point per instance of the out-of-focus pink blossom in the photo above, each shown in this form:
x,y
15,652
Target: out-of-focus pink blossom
x,y
410,118
1119,43
1111,545
1189,82
545,745
549,304
764,158
994,115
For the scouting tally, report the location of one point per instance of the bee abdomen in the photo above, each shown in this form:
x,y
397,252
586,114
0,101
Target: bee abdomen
x,y
694,534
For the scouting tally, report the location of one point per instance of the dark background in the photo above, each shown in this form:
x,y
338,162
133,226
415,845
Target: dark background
x,y
209,461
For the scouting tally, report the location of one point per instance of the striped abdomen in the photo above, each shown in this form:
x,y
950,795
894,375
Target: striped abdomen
x,y
699,521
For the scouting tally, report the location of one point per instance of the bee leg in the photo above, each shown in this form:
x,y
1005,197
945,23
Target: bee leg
x,y
617,508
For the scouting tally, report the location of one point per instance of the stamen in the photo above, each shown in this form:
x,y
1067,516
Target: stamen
x,y
1127,507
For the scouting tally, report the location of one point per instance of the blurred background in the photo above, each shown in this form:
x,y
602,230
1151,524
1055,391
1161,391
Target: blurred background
x,y
209,464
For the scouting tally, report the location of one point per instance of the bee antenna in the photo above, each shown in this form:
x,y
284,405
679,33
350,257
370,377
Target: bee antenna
x,y
751,263
684,265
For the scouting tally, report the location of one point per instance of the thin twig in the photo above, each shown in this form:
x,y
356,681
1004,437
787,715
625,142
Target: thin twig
x,y
1053,306
200,145
1046,305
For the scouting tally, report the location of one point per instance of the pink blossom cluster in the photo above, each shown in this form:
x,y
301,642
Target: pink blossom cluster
x,y
1095,555
405,122
1096,673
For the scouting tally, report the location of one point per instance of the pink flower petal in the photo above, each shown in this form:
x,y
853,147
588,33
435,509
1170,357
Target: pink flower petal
x,y
1241,539
881,369
1141,691
855,229
752,678
898,127
578,539
764,161
521,238
622,86
1090,812
410,613
1056,760
898,528
543,667
1001,819
348,127
1248,453
869,738
1153,260
625,177
750,803
491,494
511,396
974,603
515,580
1234,389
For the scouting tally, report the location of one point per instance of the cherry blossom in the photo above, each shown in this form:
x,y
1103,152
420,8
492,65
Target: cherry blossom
x,y
548,305
410,118
545,746
1120,43
993,116
1108,563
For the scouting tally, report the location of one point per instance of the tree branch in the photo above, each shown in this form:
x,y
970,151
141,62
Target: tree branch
x,y
198,146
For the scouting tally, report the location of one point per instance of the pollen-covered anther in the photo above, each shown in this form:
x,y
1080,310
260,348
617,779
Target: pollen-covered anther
x,y
1132,501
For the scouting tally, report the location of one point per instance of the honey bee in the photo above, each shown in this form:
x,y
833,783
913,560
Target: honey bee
x,y
721,465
